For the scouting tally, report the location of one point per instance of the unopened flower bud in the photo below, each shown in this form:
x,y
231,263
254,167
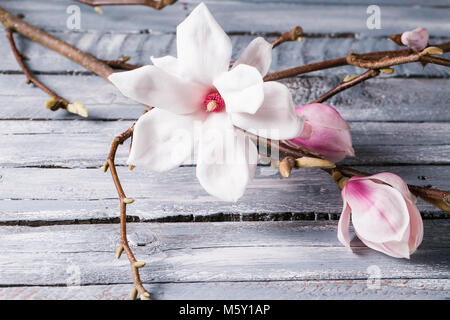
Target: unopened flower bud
x,y
325,132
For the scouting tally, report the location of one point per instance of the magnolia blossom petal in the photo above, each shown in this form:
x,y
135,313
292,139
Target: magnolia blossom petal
x,y
276,118
343,226
241,88
323,115
325,132
152,86
226,158
396,182
162,140
203,48
415,226
416,39
169,64
379,212
258,54
396,249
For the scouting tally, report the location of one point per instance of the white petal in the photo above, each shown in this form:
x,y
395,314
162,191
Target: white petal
x,y
203,48
396,182
258,54
152,86
379,212
416,227
396,249
241,89
162,140
276,118
343,226
169,64
226,158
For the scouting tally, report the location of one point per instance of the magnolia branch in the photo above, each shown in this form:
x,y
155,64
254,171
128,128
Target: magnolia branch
x,y
124,201
294,156
158,5
394,57
102,68
347,84
56,101
292,35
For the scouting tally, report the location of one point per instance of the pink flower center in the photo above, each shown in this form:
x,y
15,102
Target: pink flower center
x,y
214,102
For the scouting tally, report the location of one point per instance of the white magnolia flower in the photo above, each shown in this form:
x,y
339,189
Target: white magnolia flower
x,y
199,101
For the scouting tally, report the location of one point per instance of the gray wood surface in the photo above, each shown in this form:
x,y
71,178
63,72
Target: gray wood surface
x,y
59,211
411,289
231,15
140,46
185,253
78,144
393,99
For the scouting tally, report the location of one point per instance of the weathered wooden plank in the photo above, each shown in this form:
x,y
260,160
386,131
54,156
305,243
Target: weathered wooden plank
x,y
86,143
140,46
391,99
231,15
207,252
36,196
420,289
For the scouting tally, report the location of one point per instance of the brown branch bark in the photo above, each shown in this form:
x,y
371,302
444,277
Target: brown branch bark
x,y
385,62
82,58
291,35
134,264
339,62
345,85
122,65
435,60
57,101
158,5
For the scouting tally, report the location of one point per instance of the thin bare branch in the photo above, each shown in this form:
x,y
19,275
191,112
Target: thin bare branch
x,y
53,104
82,58
339,62
348,84
124,201
292,35
158,5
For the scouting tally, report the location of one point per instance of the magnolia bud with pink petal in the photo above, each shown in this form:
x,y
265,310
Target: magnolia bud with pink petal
x,y
384,214
416,39
325,132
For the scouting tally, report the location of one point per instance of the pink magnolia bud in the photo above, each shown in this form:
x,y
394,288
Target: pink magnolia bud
x,y
325,132
383,213
416,39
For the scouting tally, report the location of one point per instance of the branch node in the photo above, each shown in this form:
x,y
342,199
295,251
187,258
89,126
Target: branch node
x,y
128,200
145,296
431,51
309,162
139,264
134,293
285,166
119,252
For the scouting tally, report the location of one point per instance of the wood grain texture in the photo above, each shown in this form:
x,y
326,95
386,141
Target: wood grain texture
x,y
392,99
50,173
231,15
28,195
420,289
78,144
109,45
200,252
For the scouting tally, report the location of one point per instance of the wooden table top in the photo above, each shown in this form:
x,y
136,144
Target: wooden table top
x,y
59,211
